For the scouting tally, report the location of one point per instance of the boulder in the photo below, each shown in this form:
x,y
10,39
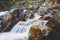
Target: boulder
x,y
54,24
35,33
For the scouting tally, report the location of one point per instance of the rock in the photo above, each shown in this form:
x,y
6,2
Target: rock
x,y
43,9
9,18
47,18
35,33
41,18
54,24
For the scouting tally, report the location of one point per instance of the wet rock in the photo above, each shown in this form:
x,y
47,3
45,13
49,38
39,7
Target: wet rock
x,y
35,33
54,24
41,18
9,19
47,18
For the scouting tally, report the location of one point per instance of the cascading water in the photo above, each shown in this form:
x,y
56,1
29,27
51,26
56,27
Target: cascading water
x,y
21,30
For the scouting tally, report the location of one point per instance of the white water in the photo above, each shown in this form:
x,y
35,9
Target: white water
x,y
3,13
21,30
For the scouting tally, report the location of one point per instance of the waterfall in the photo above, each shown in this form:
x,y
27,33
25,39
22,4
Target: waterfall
x,y
20,27
21,30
